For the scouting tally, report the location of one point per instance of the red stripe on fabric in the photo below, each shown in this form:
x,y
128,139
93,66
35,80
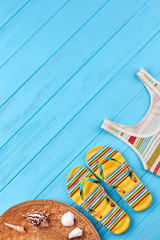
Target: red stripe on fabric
x,y
112,217
78,187
157,168
74,192
77,179
99,203
141,200
94,198
122,170
118,221
95,169
136,194
100,156
127,166
113,154
132,139
122,181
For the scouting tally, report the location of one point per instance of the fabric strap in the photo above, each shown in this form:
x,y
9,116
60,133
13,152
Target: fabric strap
x,y
82,196
102,160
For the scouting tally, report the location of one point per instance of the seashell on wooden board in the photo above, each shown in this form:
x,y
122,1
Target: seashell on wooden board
x,y
77,232
37,218
68,219
18,228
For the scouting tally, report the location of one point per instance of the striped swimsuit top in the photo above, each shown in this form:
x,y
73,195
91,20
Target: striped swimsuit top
x,y
144,137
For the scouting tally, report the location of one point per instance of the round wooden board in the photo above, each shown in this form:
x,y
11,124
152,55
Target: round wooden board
x,y
55,231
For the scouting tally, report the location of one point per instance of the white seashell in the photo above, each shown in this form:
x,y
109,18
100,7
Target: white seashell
x,y
68,219
77,232
18,228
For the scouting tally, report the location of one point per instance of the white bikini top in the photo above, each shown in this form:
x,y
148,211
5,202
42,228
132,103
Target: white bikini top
x,y
144,137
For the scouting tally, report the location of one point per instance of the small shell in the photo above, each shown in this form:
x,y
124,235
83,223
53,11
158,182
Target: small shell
x,y
18,228
77,232
37,218
68,219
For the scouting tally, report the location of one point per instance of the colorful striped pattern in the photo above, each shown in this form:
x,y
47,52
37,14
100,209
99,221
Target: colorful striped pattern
x,y
73,184
138,194
111,219
96,196
148,147
94,199
157,86
118,176
105,151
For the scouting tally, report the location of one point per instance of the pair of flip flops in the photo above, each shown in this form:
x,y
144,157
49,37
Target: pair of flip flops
x,y
85,189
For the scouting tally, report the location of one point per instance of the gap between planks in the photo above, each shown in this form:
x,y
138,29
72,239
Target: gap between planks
x,y
66,43
52,54
36,32
74,115
76,71
14,15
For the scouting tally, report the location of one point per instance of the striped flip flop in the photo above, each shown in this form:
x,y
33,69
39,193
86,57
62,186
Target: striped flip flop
x,y
109,165
87,192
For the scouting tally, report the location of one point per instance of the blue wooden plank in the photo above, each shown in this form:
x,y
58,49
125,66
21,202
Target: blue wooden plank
x,y
34,54
47,125
49,119
9,9
13,118
148,228
35,16
54,151
150,232
43,149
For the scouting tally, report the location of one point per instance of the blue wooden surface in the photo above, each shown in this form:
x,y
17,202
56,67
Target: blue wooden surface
x,y
65,66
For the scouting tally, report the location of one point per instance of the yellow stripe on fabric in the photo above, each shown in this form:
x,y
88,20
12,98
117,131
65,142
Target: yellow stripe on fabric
x,y
153,157
139,143
146,76
110,127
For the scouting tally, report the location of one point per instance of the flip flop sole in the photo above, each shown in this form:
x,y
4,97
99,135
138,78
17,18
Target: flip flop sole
x,y
113,218
136,194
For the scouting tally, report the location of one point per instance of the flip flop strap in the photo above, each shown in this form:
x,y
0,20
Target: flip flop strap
x,y
82,196
130,174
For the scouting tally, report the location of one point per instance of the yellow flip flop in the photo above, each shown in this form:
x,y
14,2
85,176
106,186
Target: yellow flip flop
x,y
109,165
87,192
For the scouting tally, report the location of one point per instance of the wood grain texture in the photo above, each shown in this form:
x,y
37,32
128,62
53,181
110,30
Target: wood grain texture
x,y
69,90
36,16
65,67
56,33
9,9
54,231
